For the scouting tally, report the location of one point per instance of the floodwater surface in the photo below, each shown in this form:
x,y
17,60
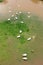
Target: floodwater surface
x,y
21,5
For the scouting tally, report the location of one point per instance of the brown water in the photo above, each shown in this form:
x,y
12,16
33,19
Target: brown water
x,y
20,5
36,1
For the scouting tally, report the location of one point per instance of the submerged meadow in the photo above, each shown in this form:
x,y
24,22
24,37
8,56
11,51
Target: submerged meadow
x,y
11,47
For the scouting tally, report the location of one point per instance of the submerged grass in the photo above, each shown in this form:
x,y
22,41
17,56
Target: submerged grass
x,y
9,28
10,46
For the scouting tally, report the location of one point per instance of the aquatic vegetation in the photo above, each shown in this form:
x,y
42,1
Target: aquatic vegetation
x,y
30,40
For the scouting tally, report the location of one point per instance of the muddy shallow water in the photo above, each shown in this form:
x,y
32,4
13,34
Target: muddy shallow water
x,y
20,5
